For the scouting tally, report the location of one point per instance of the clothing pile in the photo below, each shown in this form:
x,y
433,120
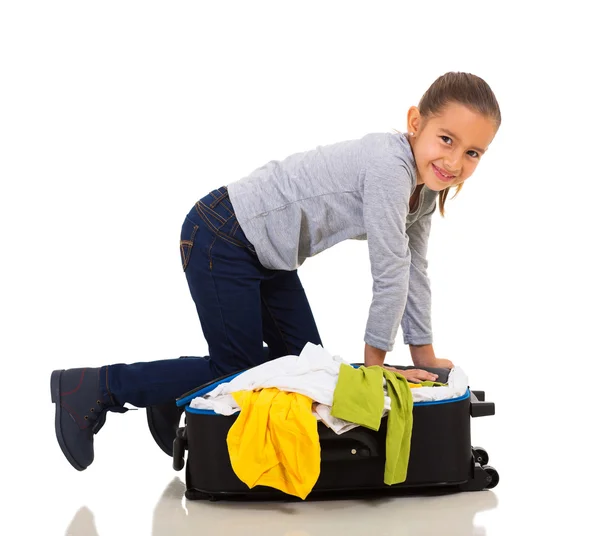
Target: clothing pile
x,y
274,441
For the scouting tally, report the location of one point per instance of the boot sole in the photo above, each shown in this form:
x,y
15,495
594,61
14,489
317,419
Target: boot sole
x,y
55,393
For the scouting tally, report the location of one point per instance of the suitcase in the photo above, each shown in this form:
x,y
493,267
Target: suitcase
x,y
441,454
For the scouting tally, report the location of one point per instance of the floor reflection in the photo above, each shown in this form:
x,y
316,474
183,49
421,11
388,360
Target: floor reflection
x,y
430,513
451,514
82,524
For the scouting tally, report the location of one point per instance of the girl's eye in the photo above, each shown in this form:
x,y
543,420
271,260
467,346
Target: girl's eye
x,y
446,138
475,153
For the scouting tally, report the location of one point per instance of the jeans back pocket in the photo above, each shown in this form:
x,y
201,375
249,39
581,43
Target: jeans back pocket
x,y
188,233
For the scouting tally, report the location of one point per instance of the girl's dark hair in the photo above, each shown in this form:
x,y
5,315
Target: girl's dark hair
x,y
461,88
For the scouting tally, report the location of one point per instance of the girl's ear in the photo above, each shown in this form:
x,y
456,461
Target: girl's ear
x,y
414,119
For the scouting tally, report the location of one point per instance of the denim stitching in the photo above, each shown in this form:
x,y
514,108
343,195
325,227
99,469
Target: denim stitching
x,y
237,226
216,229
209,251
232,215
222,196
190,243
183,253
217,190
209,223
228,239
209,210
218,199
226,207
223,225
219,233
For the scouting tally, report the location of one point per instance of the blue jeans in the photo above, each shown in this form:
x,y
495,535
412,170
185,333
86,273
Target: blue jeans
x,y
240,303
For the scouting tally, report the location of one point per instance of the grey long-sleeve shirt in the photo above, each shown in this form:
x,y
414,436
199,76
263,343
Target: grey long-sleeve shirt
x,y
360,189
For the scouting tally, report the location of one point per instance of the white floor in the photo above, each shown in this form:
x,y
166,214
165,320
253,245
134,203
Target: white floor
x,y
546,485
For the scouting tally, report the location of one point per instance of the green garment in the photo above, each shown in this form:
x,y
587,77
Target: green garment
x,y
358,398
428,383
399,432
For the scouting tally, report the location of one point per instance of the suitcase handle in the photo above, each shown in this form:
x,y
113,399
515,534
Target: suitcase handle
x,y
479,407
353,445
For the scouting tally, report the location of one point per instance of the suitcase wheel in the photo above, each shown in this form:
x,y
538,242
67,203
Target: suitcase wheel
x,y
492,476
482,477
481,456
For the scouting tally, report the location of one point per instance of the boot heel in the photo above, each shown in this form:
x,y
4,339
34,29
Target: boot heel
x,y
55,386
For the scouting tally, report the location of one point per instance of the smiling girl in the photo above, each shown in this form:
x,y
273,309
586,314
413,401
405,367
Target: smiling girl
x,y
242,244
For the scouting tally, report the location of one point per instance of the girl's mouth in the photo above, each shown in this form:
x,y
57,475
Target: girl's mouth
x,y
442,175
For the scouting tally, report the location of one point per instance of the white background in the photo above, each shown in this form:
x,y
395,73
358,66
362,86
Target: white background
x,y
115,117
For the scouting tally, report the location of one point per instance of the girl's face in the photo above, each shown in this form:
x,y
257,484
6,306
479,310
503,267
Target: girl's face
x,y
448,147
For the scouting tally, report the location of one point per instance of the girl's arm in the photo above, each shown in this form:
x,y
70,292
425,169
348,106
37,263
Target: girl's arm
x,y
374,356
422,355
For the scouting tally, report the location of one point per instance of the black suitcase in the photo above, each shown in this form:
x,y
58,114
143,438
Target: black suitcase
x,y
441,455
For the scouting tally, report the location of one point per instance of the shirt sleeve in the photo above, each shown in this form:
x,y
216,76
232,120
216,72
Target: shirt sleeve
x,y
416,321
387,190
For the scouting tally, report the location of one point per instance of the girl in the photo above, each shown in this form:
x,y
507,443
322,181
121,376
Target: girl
x,y
241,246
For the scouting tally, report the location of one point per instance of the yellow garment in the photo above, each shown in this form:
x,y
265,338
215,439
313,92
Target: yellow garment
x,y
274,441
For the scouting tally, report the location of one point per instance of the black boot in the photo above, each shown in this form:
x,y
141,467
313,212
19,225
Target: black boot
x,y
163,421
80,412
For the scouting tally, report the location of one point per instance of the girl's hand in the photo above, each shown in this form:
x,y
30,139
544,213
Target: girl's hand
x,y
414,375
